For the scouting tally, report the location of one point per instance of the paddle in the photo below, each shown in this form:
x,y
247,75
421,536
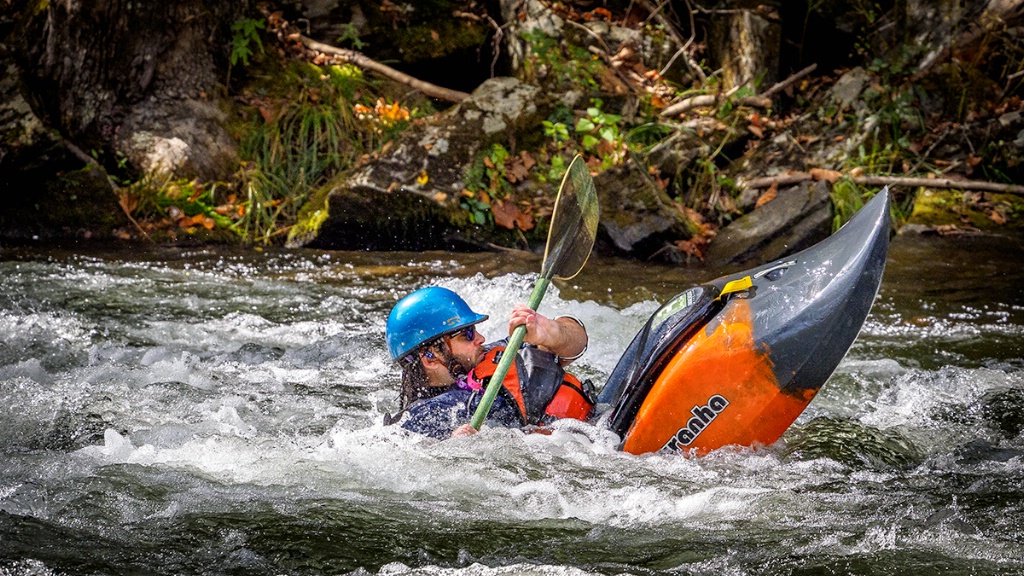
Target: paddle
x,y
570,239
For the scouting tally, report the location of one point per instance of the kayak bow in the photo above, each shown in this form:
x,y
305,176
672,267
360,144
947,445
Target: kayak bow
x,y
735,361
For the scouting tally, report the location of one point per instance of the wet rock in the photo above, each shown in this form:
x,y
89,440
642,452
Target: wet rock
x,y
979,451
255,354
797,218
851,443
1003,410
636,216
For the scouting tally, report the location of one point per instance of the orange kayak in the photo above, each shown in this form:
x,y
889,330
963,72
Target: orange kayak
x,y
735,361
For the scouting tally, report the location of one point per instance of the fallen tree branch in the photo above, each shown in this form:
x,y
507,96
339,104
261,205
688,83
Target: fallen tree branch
x,y
709,100
366,63
780,86
762,100
767,181
937,183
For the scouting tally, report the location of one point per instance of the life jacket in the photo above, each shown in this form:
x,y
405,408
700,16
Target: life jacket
x,y
547,392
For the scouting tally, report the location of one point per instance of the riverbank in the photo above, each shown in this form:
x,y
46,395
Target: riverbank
x,y
291,130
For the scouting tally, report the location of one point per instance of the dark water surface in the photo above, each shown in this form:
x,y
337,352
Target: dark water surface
x,y
209,411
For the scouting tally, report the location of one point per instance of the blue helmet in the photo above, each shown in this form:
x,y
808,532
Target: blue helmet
x,y
424,315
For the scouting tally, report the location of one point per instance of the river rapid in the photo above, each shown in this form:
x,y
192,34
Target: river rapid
x,y
214,411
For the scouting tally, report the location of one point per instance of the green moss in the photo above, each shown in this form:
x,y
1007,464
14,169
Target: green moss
x,y
955,208
312,215
421,42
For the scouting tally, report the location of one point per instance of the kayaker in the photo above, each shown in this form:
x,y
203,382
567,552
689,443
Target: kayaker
x,y
432,335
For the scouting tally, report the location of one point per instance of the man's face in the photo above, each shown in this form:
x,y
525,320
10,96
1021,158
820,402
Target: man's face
x,y
467,347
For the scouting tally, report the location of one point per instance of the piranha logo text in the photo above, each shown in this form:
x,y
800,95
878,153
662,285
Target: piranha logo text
x,y
702,417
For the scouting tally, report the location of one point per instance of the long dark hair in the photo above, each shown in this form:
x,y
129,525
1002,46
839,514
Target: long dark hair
x,y
415,384
414,377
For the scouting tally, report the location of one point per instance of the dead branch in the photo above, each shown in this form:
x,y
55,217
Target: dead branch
x,y
670,30
708,100
366,63
762,100
768,181
780,86
936,183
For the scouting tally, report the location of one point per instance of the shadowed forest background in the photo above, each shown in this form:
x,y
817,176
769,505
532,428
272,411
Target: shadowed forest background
x,y
448,123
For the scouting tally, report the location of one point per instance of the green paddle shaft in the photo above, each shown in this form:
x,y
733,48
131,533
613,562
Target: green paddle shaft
x,y
507,358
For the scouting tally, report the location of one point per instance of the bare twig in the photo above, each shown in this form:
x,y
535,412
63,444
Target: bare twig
x,y
780,86
499,35
936,183
670,30
363,61
761,100
784,180
944,183
702,101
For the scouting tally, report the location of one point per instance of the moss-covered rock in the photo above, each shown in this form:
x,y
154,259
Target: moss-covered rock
x,y
76,204
955,209
408,196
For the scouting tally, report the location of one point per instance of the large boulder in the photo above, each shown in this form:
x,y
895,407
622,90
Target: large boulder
x,y
408,196
797,218
637,217
46,191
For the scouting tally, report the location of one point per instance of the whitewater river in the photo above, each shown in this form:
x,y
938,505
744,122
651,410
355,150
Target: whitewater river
x,y
209,411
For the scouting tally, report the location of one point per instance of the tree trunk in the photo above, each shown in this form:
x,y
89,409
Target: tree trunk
x,y
134,78
745,43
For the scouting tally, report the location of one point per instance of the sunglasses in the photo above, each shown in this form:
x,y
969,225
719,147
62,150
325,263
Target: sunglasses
x,y
469,333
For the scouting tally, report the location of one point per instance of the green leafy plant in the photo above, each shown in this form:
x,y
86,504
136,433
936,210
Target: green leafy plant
x,y
162,203
557,131
847,199
648,134
557,61
601,136
494,167
349,33
479,210
557,168
245,32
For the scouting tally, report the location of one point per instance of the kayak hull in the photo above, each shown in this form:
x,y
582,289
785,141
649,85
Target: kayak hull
x,y
740,359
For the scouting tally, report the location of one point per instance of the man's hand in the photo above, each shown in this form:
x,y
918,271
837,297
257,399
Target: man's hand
x,y
464,430
563,337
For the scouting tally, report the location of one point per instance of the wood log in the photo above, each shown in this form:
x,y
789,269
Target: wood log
x,y
936,183
361,60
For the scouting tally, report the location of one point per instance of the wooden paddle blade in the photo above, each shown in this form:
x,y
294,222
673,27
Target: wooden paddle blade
x,y
573,224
